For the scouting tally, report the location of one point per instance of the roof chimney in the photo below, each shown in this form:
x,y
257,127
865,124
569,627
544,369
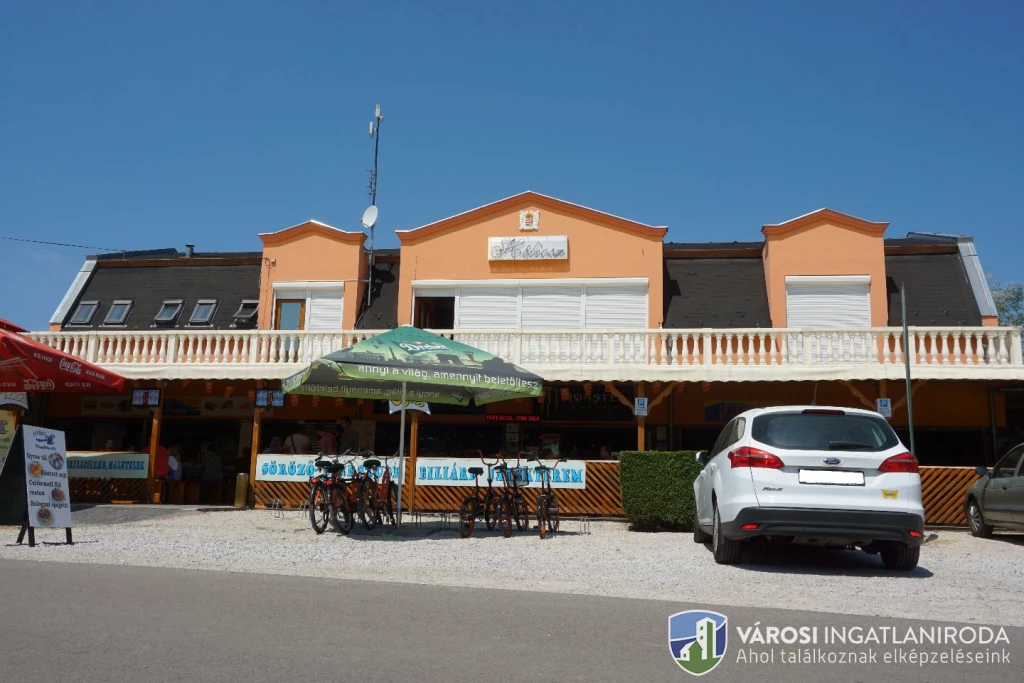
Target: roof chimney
x,y
190,250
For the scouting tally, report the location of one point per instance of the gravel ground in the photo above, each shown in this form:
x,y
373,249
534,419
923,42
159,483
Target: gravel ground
x,y
959,579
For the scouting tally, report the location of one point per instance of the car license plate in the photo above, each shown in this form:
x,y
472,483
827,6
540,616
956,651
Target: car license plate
x,y
834,477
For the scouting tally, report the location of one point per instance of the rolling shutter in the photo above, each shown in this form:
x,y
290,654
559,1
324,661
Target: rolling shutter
x,y
616,307
825,304
550,307
487,308
325,309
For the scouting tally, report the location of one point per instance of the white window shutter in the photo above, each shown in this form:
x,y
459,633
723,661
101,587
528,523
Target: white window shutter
x,y
326,307
550,307
813,304
487,308
616,307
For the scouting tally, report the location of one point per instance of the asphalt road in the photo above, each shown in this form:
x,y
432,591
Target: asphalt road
x,y
97,623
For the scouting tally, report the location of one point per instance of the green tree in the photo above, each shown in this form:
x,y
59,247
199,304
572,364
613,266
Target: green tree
x,y
1009,298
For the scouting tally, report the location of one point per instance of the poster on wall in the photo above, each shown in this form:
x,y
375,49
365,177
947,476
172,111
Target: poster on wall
x,y
571,474
113,465
7,429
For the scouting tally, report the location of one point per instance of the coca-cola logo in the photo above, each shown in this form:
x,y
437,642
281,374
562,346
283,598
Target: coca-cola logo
x,y
74,367
38,385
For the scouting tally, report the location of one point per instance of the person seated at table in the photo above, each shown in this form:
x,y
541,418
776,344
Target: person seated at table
x,y
328,444
108,445
210,463
605,453
297,444
274,447
349,436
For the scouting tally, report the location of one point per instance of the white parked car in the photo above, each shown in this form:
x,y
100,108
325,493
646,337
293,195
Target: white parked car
x,y
808,474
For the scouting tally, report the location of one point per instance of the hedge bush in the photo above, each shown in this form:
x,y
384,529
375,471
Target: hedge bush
x,y
657,488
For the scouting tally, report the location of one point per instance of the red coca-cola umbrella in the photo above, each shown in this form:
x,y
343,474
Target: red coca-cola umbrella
x,y
27,365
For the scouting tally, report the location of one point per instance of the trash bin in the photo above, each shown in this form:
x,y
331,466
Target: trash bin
x,y
241,489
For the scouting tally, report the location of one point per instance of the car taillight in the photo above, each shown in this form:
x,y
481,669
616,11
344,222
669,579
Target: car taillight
x,y
904,462
745,456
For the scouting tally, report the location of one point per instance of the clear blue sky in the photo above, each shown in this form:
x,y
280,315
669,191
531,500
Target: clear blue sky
x,y
142,125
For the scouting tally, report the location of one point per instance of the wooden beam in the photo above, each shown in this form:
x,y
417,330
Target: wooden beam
x,y
913,390
613,390
154,446
883,388
641,422
661,397
857,394
257,427
414,448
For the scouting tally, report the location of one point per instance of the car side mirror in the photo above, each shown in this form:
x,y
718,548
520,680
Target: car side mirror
x,y
702,457
982,471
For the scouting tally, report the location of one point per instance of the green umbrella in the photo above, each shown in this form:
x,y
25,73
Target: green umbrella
x,y
410,364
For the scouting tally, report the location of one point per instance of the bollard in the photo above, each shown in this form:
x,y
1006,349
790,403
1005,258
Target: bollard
x,y
241,489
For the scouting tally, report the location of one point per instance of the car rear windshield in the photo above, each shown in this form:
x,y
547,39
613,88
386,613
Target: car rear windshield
x,y
824,432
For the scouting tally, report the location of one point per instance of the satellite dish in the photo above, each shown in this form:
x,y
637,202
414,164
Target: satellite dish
x,y
369,217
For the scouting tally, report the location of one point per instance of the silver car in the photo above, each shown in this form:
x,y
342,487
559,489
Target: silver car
x,y
996,501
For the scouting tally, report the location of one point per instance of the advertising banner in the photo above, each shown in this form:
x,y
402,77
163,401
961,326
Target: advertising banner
x,y
300,468
6,435
14,398
108,465
454,472
49,501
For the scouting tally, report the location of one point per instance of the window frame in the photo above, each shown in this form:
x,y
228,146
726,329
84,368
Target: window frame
x,y
248,319
1013,459
88,321
179,306
128,304
214,304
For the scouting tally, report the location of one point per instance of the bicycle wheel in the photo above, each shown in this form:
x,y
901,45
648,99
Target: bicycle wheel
x,y
521,515
368,503
319,507
341,513
503,514
391,504
491,512
542,513
552,514
467,516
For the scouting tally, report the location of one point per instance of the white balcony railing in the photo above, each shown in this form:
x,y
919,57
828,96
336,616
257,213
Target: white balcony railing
x,y
701,353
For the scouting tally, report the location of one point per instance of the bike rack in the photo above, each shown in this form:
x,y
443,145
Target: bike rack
x,y
585,525
417,517
276,510
303,510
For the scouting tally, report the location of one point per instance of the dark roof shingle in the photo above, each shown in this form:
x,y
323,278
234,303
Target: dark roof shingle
x,y
938,291
715,292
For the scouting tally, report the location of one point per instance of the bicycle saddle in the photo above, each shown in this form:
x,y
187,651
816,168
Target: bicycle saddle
x,y
322,464
476,470
371,464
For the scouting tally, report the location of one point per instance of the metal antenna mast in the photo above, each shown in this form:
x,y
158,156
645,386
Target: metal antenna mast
x,y
375,136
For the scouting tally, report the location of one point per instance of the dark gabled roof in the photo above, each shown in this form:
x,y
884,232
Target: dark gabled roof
x,y
703,246
715,292
382,313
149,286
938,291
170,253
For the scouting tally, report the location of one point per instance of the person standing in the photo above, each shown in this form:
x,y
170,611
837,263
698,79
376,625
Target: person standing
x,y
297,444
328,444
349,437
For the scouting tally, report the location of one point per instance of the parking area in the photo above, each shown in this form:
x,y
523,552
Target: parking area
x,y
960,578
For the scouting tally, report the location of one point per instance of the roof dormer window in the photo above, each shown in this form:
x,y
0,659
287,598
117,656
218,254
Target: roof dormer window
x,y
202,314
118,313
246,313
168,312
83,315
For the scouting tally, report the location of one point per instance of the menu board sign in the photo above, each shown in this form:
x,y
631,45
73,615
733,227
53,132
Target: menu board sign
x,y
46,480
6,434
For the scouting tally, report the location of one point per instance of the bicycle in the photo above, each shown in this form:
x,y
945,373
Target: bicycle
x,y
511,506
547,502
343,498
474,504
324,484
376,497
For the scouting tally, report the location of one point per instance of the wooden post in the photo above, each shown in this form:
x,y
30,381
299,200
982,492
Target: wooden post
x,y
257,425
154,445
641,422
414,448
